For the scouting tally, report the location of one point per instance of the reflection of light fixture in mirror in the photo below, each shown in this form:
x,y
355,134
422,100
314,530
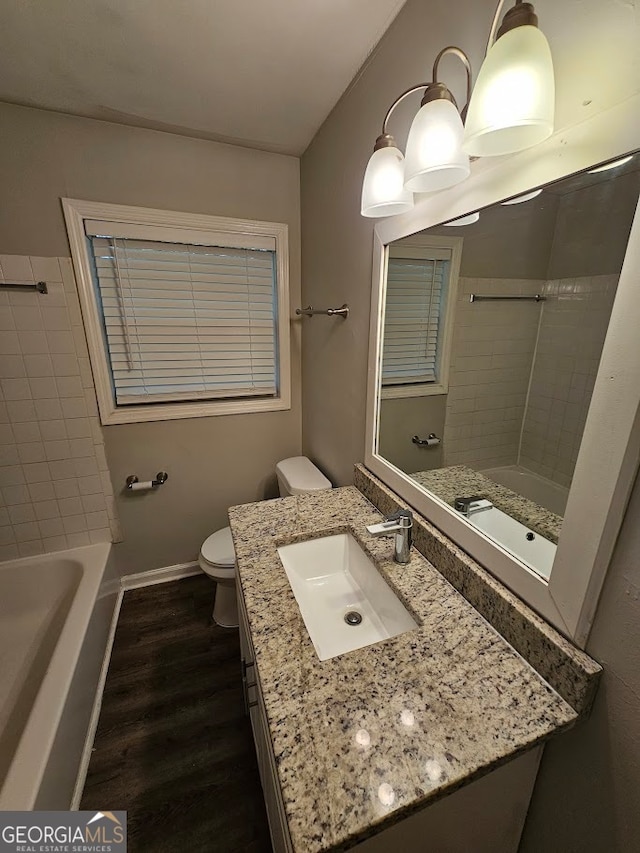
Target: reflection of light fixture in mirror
x,y
513,101
383,193
469,219
613,165
510,109
520,198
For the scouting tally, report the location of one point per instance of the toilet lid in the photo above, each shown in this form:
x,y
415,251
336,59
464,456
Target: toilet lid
x,y
218,549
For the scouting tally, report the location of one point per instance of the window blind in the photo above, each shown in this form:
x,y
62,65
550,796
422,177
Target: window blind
x,y
185,321
416,288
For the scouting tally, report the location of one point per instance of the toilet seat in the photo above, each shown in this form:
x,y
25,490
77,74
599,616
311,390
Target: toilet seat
x,y
218,551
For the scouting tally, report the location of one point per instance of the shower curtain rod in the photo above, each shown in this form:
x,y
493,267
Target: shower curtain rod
x,y
477,297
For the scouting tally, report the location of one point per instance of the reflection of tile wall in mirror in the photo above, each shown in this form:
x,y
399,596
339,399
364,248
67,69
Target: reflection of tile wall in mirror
x,y
522,372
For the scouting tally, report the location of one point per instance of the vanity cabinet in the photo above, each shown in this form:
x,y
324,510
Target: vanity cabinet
x,y
486,816
264,751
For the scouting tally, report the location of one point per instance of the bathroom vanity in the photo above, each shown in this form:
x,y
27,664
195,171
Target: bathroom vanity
x,y
432,736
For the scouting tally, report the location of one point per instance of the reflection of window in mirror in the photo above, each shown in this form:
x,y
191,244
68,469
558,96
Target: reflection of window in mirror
x,y
422,282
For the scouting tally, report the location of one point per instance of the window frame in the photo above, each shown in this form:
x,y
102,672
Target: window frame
x,y
76,212
428,389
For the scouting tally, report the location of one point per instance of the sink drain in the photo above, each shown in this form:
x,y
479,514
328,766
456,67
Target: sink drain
x,y
353,617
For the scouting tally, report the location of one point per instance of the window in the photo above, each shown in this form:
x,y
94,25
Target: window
x,y
420,294
185,315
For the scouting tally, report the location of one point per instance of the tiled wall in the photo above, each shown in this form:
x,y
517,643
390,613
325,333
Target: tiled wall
x,y
572,332
492,356
55,490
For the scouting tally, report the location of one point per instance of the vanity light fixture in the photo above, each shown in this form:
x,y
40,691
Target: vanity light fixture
x,y
520,198
510,109
613,165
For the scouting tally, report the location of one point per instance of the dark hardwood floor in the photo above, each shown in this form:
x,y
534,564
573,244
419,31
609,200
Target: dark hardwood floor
x,y
173,746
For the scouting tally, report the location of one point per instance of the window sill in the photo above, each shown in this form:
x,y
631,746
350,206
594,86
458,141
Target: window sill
x,y
395,392
203,409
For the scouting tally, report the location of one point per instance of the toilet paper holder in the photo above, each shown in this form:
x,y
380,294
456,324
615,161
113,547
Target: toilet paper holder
x,y
160,478
431,441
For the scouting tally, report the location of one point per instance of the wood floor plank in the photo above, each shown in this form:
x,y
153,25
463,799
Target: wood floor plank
x,y
173,745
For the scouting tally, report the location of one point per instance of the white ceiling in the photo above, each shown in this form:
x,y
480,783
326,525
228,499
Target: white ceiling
x,y
262,73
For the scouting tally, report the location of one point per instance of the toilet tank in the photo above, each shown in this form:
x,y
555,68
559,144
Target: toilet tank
x,y
298,475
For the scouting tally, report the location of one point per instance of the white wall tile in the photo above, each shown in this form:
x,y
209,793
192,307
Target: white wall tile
x,y
74,524
20,513
38,365
33,342
46,269
54,430
31,452
46,509
16,268
11,475
70,506
10,344
66,488
15,389
41,492
43,388
31,549
27,318
26,532
54,481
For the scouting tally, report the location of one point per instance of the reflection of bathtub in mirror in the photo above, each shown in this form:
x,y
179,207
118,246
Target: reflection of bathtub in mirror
x,y
523,503
538,489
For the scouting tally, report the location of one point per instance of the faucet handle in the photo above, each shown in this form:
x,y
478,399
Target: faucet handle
x,y
403,516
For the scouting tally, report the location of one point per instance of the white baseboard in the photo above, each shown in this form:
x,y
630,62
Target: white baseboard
x,y
97,707
162,575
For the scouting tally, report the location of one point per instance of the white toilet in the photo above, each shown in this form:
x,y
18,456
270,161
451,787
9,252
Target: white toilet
x,y
217,559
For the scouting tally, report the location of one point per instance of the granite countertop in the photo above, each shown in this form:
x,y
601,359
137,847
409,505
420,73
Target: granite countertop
x,y
366,738
449,483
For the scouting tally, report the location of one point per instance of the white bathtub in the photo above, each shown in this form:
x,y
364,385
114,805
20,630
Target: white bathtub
x,y
538,489
55,616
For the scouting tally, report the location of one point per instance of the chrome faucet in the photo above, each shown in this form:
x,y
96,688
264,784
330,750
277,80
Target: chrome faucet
x,y
471,505
400,524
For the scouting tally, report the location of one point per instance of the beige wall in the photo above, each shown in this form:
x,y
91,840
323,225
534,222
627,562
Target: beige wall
x,y
212,462
589,239
405,417
597,65
586,796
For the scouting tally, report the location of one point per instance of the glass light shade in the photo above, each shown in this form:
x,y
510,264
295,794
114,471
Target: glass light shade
x,y
520,198
383,192
469,219
435,159
613,165
513,101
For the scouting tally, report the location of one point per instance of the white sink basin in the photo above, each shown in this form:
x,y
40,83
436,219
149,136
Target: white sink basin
x,y
537,552
332,576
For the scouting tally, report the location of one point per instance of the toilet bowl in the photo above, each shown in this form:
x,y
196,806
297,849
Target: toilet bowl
x,y
218,560
296,476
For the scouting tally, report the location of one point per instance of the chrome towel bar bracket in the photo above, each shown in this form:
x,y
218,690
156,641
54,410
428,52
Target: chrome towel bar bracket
x,y
310,311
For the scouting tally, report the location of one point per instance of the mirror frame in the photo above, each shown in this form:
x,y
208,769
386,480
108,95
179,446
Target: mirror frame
x,y
610,450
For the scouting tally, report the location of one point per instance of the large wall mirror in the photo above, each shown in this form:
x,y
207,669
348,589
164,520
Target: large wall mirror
x,y
496,335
